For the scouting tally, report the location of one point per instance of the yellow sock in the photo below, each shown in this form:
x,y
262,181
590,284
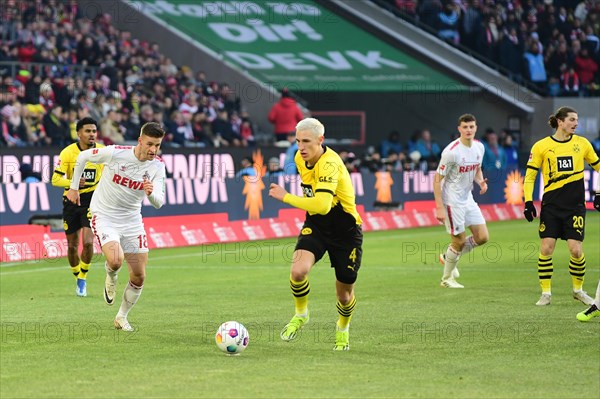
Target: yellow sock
x,y
84,268
75,270
345,312
545,271
300,290
577,271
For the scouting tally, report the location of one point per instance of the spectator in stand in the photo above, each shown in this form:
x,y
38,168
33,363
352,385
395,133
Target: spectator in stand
x,y
494,158
224,132
28,175
536,71
247,132
56,128
472,22
488,39
372,161
391,143
246,168
202,130
586,69
111,130
570,83
511,54
430,151
273,168
559,59
284,116
14,133
512,153
447,23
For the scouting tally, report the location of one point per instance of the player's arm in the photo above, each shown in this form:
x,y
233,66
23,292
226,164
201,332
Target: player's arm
x,y
319,204
93,155
531,173
155,189
481,181
445,162
59,178
440,214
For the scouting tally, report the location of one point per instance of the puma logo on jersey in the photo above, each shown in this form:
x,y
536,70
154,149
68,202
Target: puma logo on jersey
x,y
351,267
127,182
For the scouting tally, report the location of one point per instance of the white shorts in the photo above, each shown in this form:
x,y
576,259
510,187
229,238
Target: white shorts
x,y
458,218
129,232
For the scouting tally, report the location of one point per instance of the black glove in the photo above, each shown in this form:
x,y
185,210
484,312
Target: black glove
x,y
597,201
530,211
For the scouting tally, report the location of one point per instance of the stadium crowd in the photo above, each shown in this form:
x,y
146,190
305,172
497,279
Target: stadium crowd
x,y
422,153
60,67
554,45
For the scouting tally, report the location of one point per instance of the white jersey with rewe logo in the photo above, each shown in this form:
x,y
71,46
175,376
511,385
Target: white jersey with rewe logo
x,y
121,188
458,165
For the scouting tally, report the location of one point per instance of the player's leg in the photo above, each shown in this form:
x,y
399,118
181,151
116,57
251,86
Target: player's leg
x,y
135,248
72,226
451,258
73,251
106,232
577,271
136,263
549,230
455,226
113,253
87,239
546,269
479,232
85,260
346,261
592,311
302,263
346,302
574,233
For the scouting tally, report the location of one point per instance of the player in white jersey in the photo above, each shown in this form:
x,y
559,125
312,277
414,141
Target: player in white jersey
x,y
130,175
459,167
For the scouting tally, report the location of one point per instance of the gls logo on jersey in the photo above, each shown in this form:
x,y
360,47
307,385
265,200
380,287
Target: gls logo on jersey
x,y
324,179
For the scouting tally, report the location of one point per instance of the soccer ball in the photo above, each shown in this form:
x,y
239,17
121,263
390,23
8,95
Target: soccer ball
x,y
232,337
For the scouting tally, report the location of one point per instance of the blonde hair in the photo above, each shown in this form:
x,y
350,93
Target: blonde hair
x,y
312,125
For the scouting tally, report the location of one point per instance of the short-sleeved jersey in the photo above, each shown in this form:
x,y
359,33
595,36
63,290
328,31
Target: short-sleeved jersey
x,y
458,165
329,174
562,165
121,190
66,164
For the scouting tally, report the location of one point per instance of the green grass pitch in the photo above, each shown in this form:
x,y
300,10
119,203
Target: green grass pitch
x,y
409,337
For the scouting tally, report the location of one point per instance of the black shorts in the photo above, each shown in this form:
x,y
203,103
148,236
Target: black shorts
x,y
562,223
345,250
76,216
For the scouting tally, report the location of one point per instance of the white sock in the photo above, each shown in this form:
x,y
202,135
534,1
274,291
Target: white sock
x,y
112,273
469,245
450,263
597,299
130,297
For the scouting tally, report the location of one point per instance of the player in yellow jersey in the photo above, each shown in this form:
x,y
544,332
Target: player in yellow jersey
x,y
560,158
332,225
77,217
